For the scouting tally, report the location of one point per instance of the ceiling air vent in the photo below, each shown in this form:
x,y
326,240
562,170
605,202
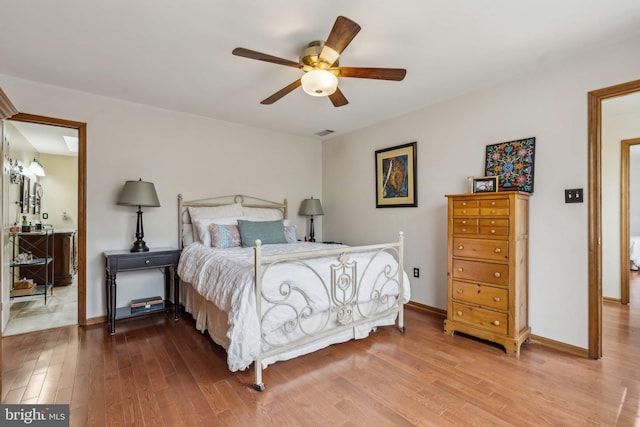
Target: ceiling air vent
x,y
325,132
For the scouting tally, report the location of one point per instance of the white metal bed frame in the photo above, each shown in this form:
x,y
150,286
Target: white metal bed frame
x,y
347,308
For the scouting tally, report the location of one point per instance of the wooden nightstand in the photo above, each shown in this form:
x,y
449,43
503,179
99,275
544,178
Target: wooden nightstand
x,y
124,260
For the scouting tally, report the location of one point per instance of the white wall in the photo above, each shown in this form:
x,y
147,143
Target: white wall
x,y
549,104
19,149
179,153
615,128
60,190
634,188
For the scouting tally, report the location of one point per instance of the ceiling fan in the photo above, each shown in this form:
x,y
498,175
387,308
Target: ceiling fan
x,y
320,63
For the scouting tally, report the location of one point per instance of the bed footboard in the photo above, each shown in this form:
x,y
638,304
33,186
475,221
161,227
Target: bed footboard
x,y
359,288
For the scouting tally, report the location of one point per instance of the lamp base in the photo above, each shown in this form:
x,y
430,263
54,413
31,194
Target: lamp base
x,y
139,246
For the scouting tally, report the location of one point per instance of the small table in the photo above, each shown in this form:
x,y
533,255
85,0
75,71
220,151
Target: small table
x,y
124,260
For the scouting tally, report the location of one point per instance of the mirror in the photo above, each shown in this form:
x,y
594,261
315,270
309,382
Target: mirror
x,y
25,193
37,198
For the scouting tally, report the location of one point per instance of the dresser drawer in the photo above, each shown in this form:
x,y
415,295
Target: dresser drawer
x,y
483,249
137,261
486,296
494,227
465,226
499,207
465,207
478,271
480,317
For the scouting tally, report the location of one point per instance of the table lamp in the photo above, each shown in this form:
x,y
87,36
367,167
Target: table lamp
x,y
139,193
311,207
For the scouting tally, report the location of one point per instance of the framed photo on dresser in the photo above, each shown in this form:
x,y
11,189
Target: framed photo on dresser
x,y
485,184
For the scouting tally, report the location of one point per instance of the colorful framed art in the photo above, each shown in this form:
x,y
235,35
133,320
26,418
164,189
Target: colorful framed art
x,y
396,184
512,163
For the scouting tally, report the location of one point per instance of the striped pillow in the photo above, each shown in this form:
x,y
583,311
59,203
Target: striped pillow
x,y
225,236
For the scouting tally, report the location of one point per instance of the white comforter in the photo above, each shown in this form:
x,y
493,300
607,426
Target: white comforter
x,y
225,278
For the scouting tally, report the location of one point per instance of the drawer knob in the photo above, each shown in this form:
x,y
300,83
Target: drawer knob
x,y
464,211
459,290
459,313
497,274
464,230
493,211
460,269
496,323
464,203
493,203
493,231
497,250
460,247
146,261
492,223
496,299
464,222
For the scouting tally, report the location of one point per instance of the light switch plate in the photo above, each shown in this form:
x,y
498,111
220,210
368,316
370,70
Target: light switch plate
x,y
573,195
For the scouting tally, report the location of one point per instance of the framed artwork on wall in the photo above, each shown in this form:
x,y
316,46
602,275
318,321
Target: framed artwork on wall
x,y
512,163
396,184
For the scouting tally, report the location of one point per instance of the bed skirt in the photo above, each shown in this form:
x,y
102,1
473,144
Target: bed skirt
x,y
210,318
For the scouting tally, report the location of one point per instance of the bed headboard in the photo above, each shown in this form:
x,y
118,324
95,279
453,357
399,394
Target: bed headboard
x,y
185,233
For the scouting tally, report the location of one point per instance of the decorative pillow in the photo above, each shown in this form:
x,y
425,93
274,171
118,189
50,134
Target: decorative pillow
x,y
262,214
224,236
290,233
269,232
203,234
208,213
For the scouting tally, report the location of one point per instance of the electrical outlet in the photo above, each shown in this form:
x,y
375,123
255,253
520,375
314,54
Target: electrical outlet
x,y
416,272
573,196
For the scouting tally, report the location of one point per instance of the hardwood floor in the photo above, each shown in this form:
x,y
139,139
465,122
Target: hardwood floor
x,y
155,371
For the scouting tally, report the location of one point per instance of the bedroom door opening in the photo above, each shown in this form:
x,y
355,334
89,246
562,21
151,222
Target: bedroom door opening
x,y
630,214
49,197
77,213
594,200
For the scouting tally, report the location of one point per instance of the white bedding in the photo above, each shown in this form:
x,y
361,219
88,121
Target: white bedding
x,y
225,278
634,252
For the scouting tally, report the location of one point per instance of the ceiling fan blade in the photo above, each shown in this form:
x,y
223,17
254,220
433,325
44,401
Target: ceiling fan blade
x,y
343,31
338,99
396,74
252,54
282,92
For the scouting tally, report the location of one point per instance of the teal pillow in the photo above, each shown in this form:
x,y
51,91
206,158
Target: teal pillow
x,y
268,232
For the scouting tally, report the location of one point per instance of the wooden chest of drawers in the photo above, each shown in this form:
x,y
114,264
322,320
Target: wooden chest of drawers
x,y
488,243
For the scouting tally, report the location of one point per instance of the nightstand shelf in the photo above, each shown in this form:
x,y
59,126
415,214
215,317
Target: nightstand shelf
x,y
126,312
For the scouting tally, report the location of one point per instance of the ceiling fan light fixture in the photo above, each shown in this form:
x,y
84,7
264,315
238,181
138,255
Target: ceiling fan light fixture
x,y
319,82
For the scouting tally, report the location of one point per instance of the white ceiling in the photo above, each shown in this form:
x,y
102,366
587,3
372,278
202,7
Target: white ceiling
x,y
177,54
46,139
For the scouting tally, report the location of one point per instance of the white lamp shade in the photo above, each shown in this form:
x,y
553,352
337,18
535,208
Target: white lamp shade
x,y
36,168
319,82
138,193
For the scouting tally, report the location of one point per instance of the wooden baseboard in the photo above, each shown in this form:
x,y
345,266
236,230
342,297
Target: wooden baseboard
x,y
412,305
560,346
614,300
96,320
553,344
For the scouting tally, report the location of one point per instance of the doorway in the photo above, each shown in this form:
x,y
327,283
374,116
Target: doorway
x,y
42,190
80,128
595,99
630,214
